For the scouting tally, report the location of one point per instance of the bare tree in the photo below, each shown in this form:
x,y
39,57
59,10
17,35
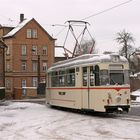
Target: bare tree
x,y
125,39
88,46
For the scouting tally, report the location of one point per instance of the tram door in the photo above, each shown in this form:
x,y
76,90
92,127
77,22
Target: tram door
x,y
87,83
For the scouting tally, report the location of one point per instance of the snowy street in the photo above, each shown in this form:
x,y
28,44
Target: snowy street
x,y
31,121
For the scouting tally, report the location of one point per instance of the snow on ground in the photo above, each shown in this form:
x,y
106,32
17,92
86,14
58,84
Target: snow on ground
x,y
30,121
137,94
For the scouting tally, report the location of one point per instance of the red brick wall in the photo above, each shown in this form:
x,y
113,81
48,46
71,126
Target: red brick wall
x,y
15,58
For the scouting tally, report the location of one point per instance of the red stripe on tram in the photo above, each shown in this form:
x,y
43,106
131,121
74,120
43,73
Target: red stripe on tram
x,y
112,88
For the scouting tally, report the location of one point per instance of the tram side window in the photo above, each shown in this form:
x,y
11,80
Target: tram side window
x,y
54,78
85,77
70,77
97,76
49,81
58,78
104,77
92,81
61,78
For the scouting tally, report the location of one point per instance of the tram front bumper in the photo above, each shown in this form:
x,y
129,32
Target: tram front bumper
x,y
111,109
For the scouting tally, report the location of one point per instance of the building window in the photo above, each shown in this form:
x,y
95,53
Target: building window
x,y
23,83
23,49
8,66
34,66
45,50
44,66
35,83
8,84
31,33
43,80
34,50
23,66
34,33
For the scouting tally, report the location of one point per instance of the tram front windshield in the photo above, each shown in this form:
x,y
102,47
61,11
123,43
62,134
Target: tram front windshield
x,y
116,78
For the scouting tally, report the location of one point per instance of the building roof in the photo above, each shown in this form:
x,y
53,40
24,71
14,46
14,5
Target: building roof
x,y
7,26
21,25
17,28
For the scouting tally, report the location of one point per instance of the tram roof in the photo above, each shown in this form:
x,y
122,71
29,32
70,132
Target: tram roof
x,y
88,59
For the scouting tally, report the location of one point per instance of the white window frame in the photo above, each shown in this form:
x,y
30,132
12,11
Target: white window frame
x,y
23,83
44,66
34,66
34,33
23,66
29,33
8,84
35,81
23,49
34,50
8,66
45,50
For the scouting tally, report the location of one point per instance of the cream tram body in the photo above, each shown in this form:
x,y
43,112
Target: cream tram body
x,y
90,82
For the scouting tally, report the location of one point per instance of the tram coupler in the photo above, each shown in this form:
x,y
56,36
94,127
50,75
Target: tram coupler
x,y
119,110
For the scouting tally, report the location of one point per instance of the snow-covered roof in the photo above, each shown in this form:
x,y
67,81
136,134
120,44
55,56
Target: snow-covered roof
x,y
87,59
7,26
17,28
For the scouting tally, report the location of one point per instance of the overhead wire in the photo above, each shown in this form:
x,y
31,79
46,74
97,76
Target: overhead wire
x,y
98,13
95,14
108,9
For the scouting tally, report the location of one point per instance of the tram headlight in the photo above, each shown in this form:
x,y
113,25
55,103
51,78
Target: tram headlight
x,y
118,99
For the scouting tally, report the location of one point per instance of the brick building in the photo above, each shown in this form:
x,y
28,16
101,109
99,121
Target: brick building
x,y
30,52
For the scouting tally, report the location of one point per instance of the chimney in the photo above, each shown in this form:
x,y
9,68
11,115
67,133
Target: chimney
x,y
21,17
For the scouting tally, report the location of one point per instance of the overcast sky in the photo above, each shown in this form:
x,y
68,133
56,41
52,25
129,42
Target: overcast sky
x,y
103,27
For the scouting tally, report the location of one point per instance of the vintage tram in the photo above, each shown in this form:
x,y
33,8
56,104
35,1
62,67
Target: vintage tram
x,y
90,82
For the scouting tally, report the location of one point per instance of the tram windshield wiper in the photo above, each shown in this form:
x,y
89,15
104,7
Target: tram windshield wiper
x,y
112,82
